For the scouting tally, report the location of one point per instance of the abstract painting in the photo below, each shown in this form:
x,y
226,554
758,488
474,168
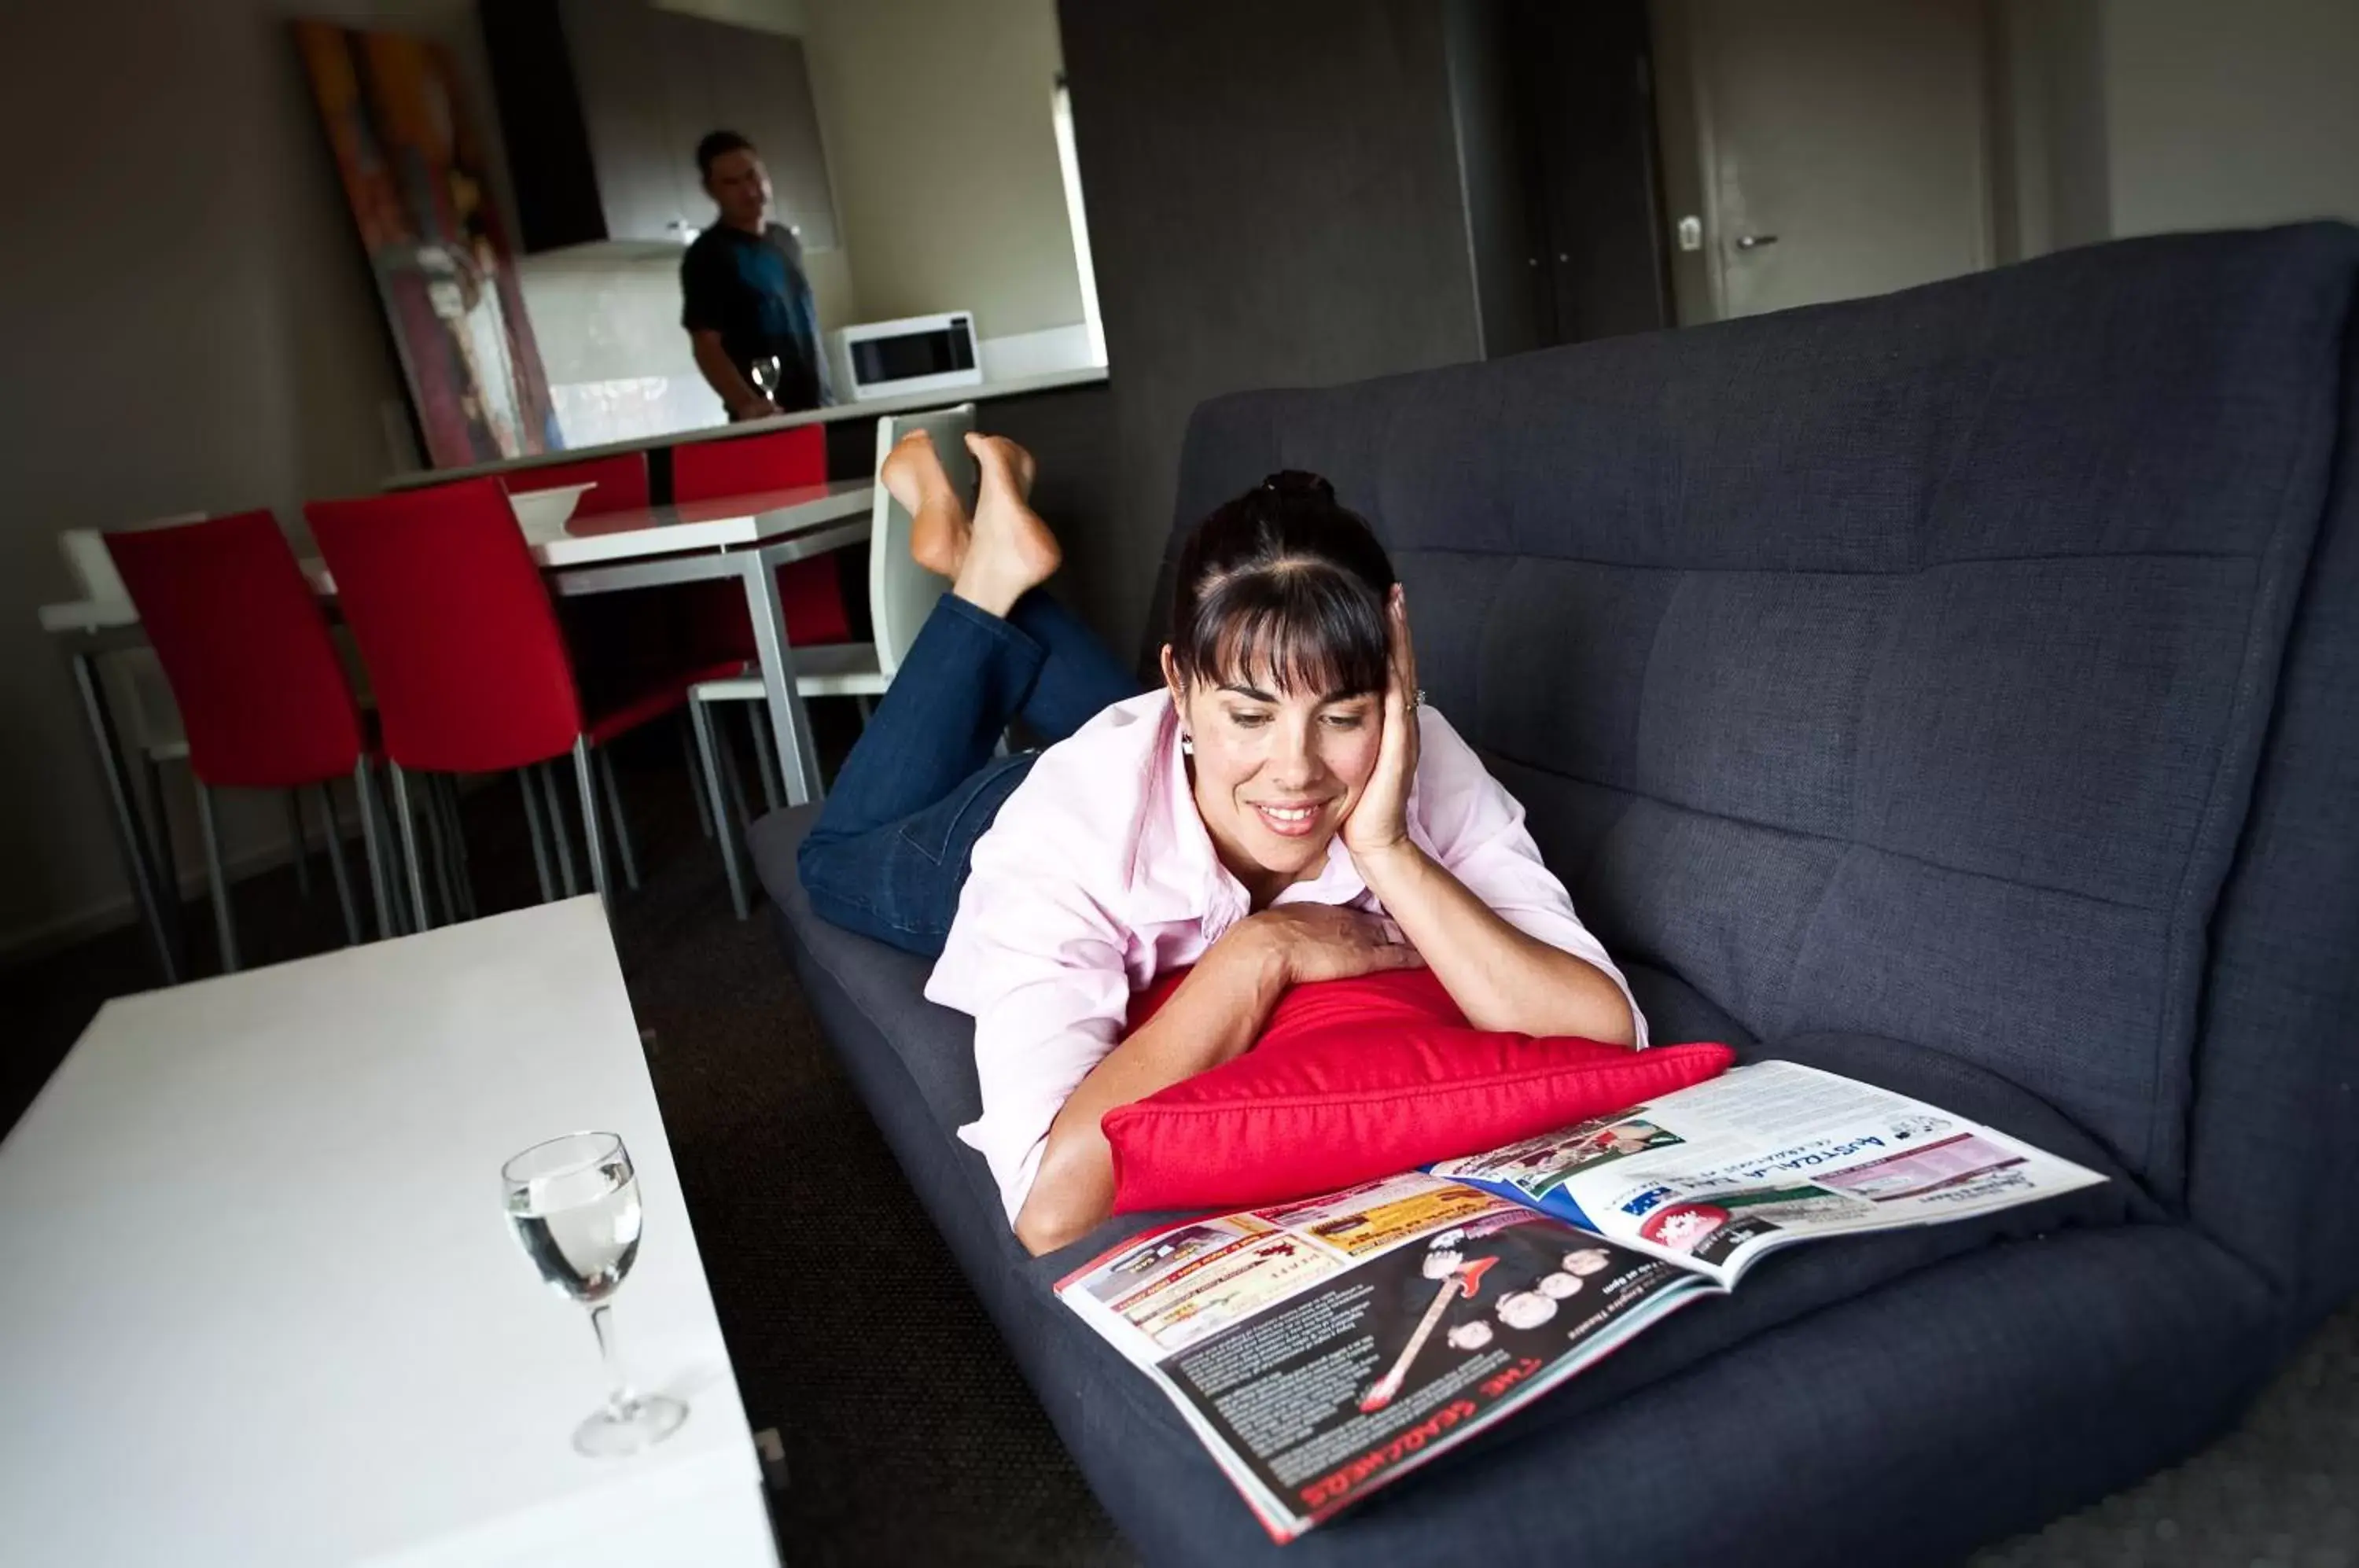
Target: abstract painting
x,y
418,181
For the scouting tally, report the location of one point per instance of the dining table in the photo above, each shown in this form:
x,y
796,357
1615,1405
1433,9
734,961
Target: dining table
x,y
743,537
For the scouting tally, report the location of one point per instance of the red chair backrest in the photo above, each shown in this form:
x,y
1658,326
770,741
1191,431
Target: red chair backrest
x,y
463,647
811,592
261,691
701,470
621,481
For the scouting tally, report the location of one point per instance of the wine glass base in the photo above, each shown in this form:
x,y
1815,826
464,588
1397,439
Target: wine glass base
x,y
647,1420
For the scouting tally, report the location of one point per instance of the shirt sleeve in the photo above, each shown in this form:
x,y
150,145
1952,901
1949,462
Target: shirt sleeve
x,y
1475,830
700,292
1040,964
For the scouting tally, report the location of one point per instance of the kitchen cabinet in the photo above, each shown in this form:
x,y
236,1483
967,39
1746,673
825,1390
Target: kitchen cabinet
x,y
601,103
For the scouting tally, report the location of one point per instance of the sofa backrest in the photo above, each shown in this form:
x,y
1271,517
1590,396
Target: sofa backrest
x,y
1899,666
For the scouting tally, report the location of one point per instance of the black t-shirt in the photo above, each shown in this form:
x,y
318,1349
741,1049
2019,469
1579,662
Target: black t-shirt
x,y
751,289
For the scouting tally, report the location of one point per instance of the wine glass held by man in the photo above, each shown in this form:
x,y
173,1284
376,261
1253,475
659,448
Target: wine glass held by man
x,y
1282,809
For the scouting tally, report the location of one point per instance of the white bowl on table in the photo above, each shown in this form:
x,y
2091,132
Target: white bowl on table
x,y
540,513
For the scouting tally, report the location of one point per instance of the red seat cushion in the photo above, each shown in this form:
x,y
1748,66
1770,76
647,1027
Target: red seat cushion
x,y
1357,1079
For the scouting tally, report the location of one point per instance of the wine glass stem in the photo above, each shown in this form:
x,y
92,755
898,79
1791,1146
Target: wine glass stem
x,y
619,1398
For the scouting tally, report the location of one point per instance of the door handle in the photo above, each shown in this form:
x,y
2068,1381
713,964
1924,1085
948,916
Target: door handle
x,y
1754,242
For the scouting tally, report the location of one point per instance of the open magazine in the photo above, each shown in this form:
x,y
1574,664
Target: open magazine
x,y
1324,1348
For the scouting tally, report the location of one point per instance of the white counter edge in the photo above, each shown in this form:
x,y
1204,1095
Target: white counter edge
x,y
1016,387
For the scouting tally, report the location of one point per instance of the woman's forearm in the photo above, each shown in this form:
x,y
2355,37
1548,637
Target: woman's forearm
x,y
1500,977
1215,1015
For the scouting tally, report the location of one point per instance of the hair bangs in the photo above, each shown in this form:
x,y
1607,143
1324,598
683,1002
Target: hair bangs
x,y
1292,627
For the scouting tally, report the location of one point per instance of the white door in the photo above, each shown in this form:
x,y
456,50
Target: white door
x,y
1843,145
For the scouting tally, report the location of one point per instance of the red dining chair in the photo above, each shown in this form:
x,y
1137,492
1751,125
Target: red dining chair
x,y
261,693
470,672
627,631
811,590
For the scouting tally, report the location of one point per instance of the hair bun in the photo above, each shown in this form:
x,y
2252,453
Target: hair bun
x,y
1291,483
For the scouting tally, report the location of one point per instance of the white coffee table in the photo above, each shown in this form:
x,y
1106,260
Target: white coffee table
x,y
258,1303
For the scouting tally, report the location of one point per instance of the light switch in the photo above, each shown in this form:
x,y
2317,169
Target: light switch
x,y
1691,233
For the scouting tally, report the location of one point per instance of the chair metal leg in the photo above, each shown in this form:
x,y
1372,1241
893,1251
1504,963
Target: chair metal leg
x,y
731,780
622,825
130,837
557,828
765,753
421,917
539,835
867,705
299,845
438,847
701,721
698,772
224,927
454,841
590,832
337,869
380,880
167,865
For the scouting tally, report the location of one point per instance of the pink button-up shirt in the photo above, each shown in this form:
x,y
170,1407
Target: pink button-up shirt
x,y
1098,875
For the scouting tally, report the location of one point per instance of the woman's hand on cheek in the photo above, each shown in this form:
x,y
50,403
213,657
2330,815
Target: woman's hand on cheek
x,y
1379,821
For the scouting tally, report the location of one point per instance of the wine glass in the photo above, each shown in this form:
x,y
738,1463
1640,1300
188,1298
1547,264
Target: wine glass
x,y
766,373
574,1204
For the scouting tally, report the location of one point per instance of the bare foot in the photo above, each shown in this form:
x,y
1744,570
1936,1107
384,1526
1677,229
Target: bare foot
x,y
913,474
1010,549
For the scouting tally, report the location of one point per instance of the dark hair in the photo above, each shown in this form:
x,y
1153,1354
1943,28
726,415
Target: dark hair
x,y
1283,585
718,143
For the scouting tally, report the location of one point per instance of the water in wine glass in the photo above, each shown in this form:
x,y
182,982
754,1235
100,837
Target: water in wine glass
x,y
581,1229
766,372
573,1202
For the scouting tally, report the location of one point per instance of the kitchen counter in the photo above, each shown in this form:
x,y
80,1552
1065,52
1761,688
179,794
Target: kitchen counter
x,y
869,409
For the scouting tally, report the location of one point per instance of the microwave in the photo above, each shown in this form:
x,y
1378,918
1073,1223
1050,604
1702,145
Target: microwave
x,y
916,354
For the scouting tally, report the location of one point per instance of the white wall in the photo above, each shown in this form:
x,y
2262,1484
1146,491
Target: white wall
x,y
935,118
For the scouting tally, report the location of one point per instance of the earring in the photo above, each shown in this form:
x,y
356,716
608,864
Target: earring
x,y
1187,744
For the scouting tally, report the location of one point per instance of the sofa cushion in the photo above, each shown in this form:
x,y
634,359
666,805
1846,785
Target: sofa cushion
x,y
1898,666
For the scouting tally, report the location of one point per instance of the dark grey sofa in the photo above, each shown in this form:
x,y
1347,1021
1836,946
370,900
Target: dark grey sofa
x,y
1959,689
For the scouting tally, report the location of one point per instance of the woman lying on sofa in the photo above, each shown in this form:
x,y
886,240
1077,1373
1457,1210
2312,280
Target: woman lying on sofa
x,y
1282,810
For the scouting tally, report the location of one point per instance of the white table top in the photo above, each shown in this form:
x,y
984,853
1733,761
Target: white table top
x,y
261,1304
724,522
869,409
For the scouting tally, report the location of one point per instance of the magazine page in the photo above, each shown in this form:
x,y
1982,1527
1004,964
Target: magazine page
x,y
1719,1173
1321,1349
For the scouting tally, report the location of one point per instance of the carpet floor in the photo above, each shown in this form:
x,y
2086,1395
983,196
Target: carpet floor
x,y
908,1435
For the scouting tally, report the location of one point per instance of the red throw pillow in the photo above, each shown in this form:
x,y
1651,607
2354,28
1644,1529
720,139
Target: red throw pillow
x,y
1357,1079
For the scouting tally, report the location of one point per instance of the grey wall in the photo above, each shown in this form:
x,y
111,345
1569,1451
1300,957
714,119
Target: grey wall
x,y
189,325
1274,200
2137,117
2219,115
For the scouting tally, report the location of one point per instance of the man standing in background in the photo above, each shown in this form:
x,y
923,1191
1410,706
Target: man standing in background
x,y
745,300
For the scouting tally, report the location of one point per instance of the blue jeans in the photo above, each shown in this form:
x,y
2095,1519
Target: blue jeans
x,y
891,848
